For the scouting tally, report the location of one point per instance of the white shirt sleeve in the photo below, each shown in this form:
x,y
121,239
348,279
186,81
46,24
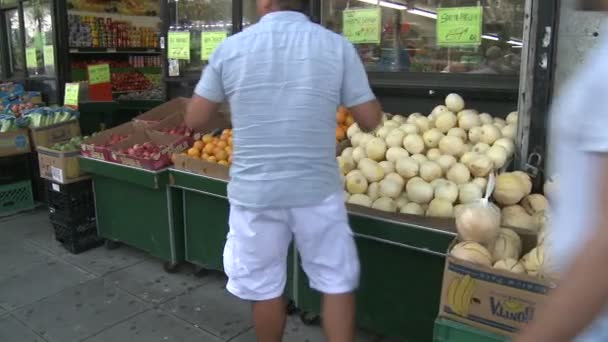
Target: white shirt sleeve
x,y
355,85
211,84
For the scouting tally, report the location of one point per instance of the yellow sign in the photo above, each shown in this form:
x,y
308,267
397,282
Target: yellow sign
x,y
71,94
49,55
179,45
99,73
31,58
362,25
209,42
459,26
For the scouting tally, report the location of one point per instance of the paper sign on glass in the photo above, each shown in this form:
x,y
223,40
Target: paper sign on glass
x,y
459,26
209,42
178,45
71,94
49,55
362,25
99,73
31,60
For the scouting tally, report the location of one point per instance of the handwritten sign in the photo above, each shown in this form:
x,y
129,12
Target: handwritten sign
x,y
49,55
31,58
71,94
179,45
209,42
99,73
459,26
362,25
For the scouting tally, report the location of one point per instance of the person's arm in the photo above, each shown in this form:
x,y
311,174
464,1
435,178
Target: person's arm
x,y
583,292
356,94
207,98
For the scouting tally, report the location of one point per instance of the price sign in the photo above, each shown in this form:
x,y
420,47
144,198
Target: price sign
x,y
362,25
99,73
209,42
179,45
459,26
31,59
49,55
71,94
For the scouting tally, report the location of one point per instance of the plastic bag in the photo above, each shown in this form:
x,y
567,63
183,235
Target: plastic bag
x,y
479,221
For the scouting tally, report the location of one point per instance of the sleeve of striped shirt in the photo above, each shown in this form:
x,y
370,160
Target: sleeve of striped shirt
x,y
355,85
211,86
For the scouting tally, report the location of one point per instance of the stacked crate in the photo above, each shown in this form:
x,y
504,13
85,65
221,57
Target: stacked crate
x,y
15,185
72,213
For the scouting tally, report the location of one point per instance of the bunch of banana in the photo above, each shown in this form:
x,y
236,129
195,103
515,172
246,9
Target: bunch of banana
x,y
460,295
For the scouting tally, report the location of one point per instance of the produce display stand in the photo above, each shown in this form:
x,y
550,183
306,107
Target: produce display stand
x,y
205,222
402,262
136,207
450,331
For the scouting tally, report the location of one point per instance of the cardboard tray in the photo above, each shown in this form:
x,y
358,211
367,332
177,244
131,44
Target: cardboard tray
x,y
175,144
60,166
494,300
202,167
95,148
14,143
167,109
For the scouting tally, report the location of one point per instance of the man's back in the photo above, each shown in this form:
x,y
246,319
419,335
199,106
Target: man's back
x,y
284,80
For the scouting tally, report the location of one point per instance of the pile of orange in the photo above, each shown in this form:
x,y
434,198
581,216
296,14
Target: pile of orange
x,y
344,120
216,149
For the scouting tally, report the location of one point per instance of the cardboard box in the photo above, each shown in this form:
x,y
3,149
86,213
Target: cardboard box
x,y
57,133
98,147
490,299
59,166
167,109
202,167
175,144
14,143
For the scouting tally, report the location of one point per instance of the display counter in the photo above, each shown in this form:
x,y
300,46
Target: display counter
x,y
402,259
137,208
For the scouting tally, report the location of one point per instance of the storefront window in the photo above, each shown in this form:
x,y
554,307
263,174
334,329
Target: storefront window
x,y
39,44
409,36
250,13
16,47
201,19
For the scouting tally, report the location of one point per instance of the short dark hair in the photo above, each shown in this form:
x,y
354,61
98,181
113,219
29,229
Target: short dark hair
x,y
292,5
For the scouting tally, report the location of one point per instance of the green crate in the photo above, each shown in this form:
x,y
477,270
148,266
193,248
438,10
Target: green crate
x,y
16,197
450,331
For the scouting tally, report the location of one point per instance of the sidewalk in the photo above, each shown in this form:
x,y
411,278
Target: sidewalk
x,y
49,295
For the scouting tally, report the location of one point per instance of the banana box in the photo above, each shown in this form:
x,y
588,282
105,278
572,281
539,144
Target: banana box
x,y
490,299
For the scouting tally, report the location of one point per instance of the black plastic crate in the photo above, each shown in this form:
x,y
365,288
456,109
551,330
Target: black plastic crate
x,y
71,204
77,238
15,168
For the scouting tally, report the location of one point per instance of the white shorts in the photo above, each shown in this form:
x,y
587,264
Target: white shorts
x,y
255,256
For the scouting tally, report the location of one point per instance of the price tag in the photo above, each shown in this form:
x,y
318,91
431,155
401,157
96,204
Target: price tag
x,y
71,94
31,58
49,55
57,174
99,73
56,187
459,26
209,42
362,25
179,45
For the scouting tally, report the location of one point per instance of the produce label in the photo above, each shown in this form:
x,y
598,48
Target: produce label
x,y
57,174
209,42
71,94
31,60
99,73
179,45
459,26
362,25
49,55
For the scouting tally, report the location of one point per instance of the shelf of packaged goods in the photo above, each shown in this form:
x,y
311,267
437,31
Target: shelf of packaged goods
x,y
98,50
402,258
137,207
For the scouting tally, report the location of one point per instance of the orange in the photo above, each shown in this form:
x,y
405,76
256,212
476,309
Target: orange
x,y
349,121
228,149
223,162
341,114
340,134
222,144
204,156
221,155
212,159
226,131
194,152
207,138
209,148
199,144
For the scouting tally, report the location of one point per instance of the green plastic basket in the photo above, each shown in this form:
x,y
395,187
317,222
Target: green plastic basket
x,y
16,197
450,331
